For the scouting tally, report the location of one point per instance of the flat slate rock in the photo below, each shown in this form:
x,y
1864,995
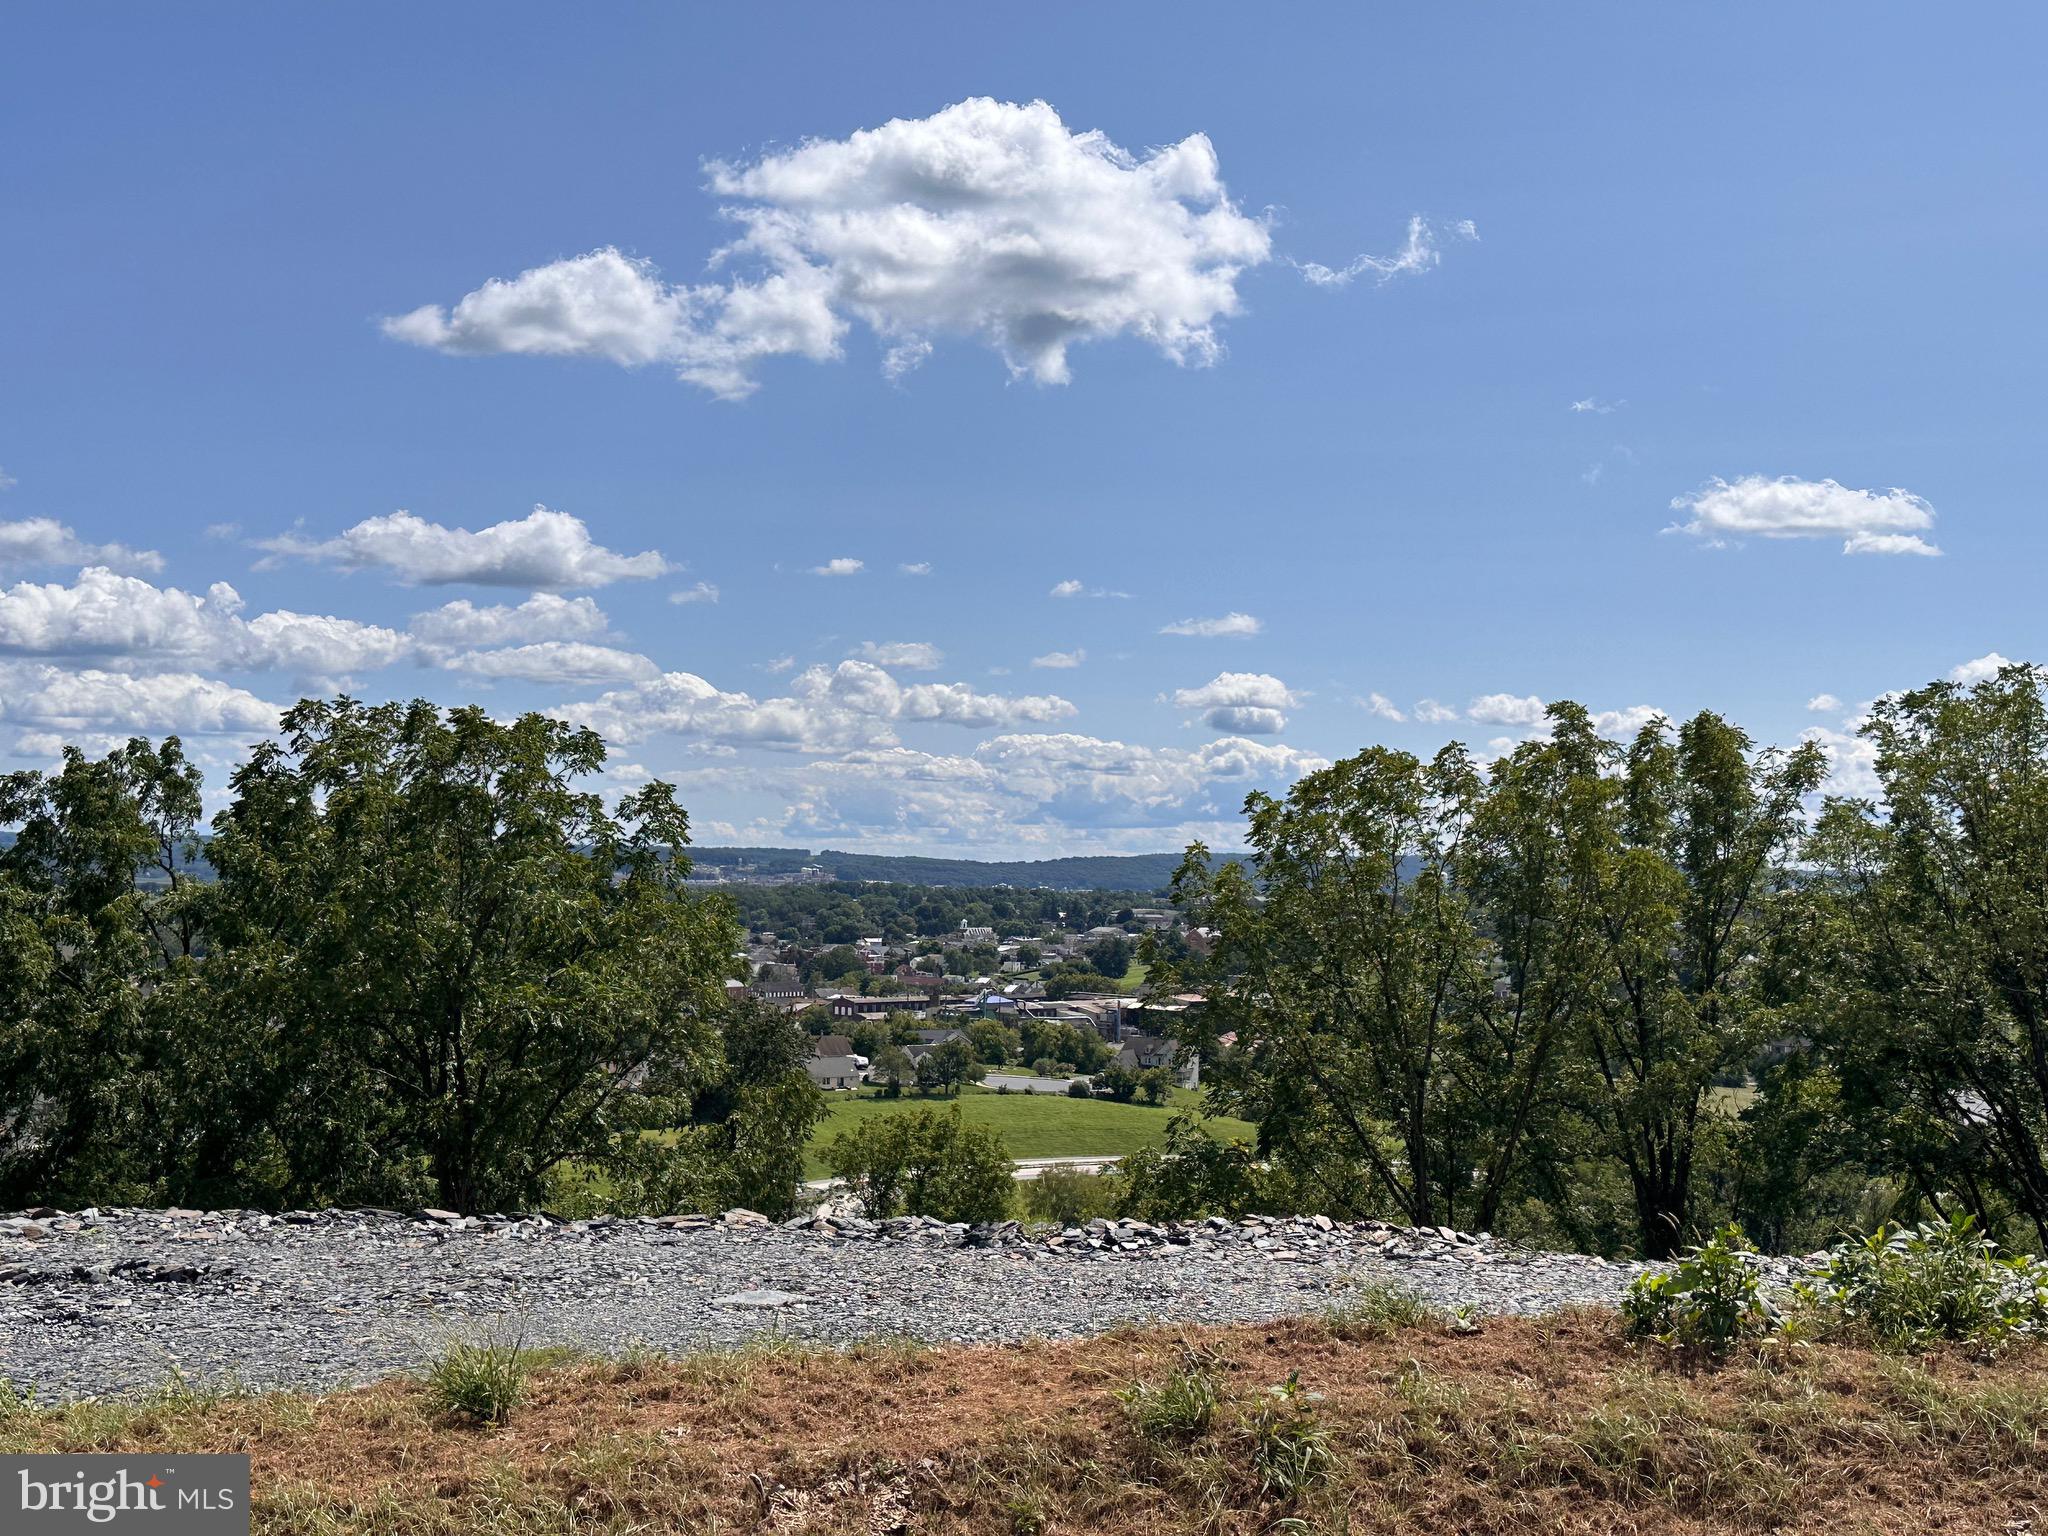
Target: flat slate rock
x,y
759,1301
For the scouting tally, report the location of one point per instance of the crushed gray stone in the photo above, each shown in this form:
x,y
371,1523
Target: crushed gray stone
x,y
103,1302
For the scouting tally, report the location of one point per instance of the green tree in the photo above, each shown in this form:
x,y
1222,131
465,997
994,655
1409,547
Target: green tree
x,y
925,1162
733,1128
1117,1081
993,1044
1350,966
948,1067
892,1067
1191,1173
1691,870
454,963
81,1058
1932,1004
1112,957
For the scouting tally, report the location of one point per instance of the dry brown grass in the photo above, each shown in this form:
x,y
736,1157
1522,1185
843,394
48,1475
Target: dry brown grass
x,y
1529,1426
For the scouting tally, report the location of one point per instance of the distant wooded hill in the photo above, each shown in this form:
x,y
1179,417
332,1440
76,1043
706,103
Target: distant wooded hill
x,y
1108,872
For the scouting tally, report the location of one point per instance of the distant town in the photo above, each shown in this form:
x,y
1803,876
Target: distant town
x,y
1009,994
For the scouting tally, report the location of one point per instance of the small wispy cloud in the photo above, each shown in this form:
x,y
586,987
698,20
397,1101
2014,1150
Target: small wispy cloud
x,y
1072,588
1230,624
702,592
916,655
841,565
915,568
1060,660
1379,704
1422,252
1593,405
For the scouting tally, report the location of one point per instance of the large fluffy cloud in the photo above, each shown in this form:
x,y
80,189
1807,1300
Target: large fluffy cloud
x,y
987,219
543,616
45,541
71,702
828,708
129,621
1250,703
1506,709
556,661
545,550
1888,522
1054,790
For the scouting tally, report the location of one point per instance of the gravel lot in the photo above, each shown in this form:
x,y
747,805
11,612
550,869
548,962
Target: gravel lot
x,y
101,1302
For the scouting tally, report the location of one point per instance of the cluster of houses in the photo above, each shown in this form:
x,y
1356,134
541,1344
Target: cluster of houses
x,y
944,1005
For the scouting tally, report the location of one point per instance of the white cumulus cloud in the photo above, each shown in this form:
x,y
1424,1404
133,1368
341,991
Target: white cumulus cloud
x,y
1981,670
852,704
1379,704
1506,709
45,541
988,220
913,655
1245,703
840,565
1885,522
543,616
556,661
71,702
129,621
545,549
1824,704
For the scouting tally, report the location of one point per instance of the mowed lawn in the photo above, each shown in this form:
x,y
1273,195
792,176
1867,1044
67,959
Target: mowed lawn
x,y
1031,1124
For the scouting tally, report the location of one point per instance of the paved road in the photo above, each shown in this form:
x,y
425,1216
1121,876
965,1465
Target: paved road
x,y
1025,1168
1018,1083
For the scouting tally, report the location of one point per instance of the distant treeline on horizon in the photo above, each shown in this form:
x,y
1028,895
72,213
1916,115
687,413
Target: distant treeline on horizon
x,y
1135,872
1101,872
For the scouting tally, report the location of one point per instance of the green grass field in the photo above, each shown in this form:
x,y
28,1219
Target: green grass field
x,y
1031,1124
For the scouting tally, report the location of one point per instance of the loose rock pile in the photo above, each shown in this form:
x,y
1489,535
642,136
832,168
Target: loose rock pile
x,y
101,1301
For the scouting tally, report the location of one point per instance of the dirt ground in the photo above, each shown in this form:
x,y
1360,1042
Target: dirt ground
x,y
1553,1425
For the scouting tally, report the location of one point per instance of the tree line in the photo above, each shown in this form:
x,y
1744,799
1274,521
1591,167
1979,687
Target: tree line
x,y
1611,995
430,968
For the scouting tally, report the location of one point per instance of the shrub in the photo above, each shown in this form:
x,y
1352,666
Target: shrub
x,y
1710,1301
1377,1309
1290,1449
1068,1197
481,1380
925,1163
1905,1287
1178,1408
1191,1173
1080,1088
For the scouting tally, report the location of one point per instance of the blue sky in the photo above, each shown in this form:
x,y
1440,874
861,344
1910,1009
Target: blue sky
x,y
1789,258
